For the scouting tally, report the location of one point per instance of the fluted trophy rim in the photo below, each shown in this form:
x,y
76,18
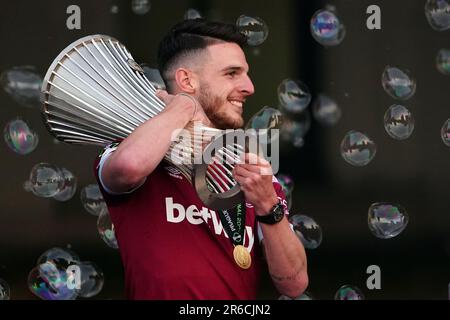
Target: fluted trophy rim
x,y
65,51
54,66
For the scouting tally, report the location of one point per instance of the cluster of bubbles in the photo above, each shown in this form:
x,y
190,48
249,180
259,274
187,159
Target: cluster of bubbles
x,y
19,137
438,14
5,292
254,29
307,230
326,28
49,181
292,118
192,14
61,275
387,220
348,292
140,7
23,84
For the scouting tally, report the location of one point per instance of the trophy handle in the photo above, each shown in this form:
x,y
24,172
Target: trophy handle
x,y
234,196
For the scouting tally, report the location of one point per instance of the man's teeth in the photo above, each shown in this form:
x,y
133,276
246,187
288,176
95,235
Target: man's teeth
x,y
236,103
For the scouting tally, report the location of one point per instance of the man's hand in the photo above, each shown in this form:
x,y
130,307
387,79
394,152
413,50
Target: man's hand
x,y
254,175
199,115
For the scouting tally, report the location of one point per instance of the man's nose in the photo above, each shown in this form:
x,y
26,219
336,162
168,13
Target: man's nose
x,y
247,86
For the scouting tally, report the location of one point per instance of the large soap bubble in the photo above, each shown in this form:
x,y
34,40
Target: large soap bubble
x,y
19,137
327,28
307,230
23,84
254,28
387,220
398,83
357,148
438,14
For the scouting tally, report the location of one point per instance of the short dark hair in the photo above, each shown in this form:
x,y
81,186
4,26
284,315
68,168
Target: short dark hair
x,y
194,34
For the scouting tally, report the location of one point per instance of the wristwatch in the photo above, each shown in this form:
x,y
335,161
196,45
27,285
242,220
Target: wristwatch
x,y
275,215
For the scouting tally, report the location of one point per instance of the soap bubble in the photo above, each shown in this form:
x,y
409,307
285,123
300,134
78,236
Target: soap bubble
x,y
69,186
357,148
443,61
254,28
61,258
295,131
438,14
92,279
398,122
4,290
140,6
399,84
154,76
46,180
268,119
347,292
92,199
19,137
307,230
23,84
327,28
286,182
326,111
114,9
294,96
445,133
49,282
106,229
387,220
192,14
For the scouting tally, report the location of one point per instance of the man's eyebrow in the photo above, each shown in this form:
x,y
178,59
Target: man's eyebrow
x,y
233,68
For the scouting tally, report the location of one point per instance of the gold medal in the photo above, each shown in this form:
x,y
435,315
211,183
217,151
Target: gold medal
x,y
242,257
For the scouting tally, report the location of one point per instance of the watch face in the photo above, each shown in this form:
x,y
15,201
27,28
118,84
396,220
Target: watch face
x,y
278,214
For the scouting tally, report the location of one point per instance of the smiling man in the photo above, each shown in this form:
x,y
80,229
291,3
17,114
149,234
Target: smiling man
x,y
173,247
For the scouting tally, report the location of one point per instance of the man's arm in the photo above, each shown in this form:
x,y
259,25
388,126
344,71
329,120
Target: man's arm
x,y
285,254
141,152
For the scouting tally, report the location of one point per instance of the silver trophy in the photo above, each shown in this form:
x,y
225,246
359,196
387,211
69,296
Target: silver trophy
x,y
95,93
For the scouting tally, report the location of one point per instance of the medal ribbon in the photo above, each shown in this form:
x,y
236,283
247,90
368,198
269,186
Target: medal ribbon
x,y
233,220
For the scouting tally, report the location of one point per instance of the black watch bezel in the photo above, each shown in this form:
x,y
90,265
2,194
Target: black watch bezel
x,y
275,215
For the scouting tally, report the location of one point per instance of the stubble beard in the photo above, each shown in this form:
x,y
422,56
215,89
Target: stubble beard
x,y
216,111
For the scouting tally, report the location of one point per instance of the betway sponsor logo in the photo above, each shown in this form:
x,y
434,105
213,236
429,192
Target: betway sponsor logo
x,y
176,213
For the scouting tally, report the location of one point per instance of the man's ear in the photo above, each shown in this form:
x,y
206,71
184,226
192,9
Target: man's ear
x,y
186,80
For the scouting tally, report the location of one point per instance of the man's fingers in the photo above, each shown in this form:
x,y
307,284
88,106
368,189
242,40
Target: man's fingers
x,y
251,158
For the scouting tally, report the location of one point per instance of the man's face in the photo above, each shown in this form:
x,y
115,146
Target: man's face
x,y
224,85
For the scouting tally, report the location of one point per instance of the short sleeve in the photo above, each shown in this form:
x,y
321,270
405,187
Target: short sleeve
x,y
104,155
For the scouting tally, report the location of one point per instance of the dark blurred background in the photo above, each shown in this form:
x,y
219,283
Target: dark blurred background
x,y
413,173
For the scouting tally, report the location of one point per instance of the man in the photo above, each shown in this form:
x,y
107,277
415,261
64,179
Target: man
x,y
171,245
